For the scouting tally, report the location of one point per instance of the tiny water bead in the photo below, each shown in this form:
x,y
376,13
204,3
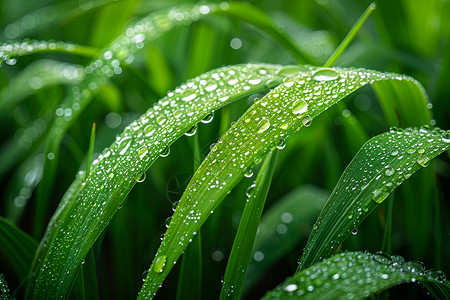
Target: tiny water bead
x,y
353,275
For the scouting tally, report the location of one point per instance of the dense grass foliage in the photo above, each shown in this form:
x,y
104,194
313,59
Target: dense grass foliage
x,y
233,155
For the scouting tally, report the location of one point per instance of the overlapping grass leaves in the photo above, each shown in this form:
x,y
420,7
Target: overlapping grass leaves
x,y
91,201
381,165
358,275
293,104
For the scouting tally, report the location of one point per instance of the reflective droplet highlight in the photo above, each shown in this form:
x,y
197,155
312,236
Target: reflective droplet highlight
x,y
325,74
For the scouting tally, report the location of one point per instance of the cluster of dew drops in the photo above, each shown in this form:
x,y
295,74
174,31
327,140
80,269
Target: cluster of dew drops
x,y
406,151
343,271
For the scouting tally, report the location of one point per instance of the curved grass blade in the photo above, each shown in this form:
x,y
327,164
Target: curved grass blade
x,y
40,74
398,112
243,243
265,125
90,203
282,227
381,165
106,65
358,275
17,247
8,51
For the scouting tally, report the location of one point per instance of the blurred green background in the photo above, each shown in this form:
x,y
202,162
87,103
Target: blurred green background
x,y
403,36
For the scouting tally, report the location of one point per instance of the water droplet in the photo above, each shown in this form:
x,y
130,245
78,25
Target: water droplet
x,y
165,152
281,144
208,118
159,263
389,171
290,287
124,144
258,256
211,87
446,137
224,98
299,107
167,222
249,173
263,126
191,131
254,81
423,161
189,97
411,150
250,189
141,178
306,121
290,70
379,195
355,231
288,82
149,129
174,205
142,152
325,74
144,275
160,120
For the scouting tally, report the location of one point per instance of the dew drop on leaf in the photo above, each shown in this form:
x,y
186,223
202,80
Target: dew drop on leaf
x,y
159,263
149,129
208,118
160,120
389,171
423,161
141,178
379,195
167,222
281,144
299,107
142,152
249,173
263,126
290,287
325,74
165,152
306,121
191,131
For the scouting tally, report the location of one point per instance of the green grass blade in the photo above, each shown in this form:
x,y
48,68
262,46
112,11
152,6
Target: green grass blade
x,y
243,243
88,206
8,51
190,278
282,227
357,275
381,165
283,111
17,247
399,112
4,289
109,63
40,74
348,39
91,150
